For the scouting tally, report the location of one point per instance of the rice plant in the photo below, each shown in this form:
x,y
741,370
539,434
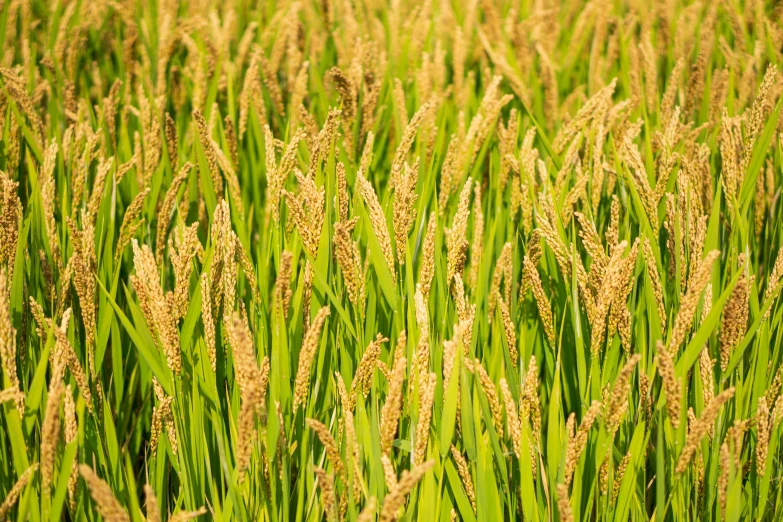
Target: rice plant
x,y
357,260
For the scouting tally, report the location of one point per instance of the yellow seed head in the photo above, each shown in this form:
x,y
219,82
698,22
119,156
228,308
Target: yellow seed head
x,y
576,444
700,429
427,269
377,220
306,355
456,236
16,491
426,400
396,497
392,408
671,385
330,446
108,506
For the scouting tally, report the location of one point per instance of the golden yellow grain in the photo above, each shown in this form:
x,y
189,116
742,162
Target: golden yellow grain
x,y
223,269
563,258
529,406
368,513
283,281
96,195
392,408
507,139
777,412
152,508
341,201
671,385
161,317
512,418
344,87
10,394
564,503
207,317
346,252
269,77
362,379
464,474
427,270
408,135
367,152
449,172
69,408
310,345
775,280
49,198
84,280
378,221
251,94
618,476
328,497
501,274
246,436
16,491
183,516
166,208
129,224
477,245
730,144
580,120
14,150
633,159
249,270
298,211
534,281
209,151
592,243
456,236
306,294
170,130
165,416
619,315
108,506
50,431
508,326
389,475
492,396
396,497
577,443
617,402
246,369
403,208
183,249
8,340
758,112
426,400
645,402
700,429
735,315
15,87
762,436
655,280
330,446
705,369
723,477
684,318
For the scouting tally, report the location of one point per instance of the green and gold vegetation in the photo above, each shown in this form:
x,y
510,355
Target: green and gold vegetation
x,y
421,260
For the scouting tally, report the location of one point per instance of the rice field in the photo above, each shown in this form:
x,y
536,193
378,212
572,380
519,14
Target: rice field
x,y
358,260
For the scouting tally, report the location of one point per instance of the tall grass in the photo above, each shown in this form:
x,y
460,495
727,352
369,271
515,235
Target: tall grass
x,y
417,260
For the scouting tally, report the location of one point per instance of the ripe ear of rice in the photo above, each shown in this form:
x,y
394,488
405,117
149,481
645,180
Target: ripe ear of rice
x,y
486,261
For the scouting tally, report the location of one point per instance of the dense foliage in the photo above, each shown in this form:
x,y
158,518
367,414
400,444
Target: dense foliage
x,y
364,260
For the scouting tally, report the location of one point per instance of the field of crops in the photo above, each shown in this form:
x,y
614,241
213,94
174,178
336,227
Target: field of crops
x,y
420,260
